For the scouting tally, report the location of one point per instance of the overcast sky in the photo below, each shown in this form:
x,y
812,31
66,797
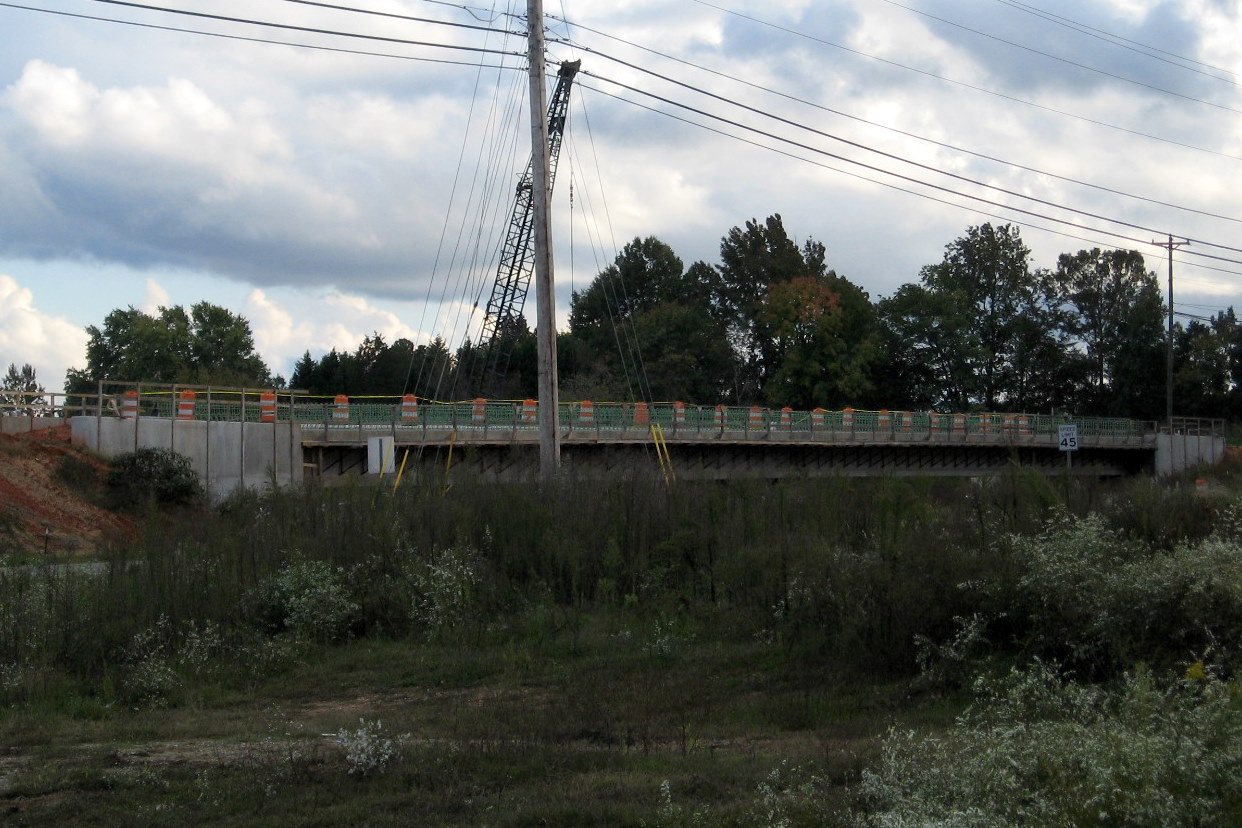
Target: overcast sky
x,y
326,194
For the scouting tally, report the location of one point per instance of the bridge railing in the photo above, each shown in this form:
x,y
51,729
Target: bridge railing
x,y
342,419
490,419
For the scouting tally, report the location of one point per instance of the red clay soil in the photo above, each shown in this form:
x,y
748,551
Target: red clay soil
x,y
39,512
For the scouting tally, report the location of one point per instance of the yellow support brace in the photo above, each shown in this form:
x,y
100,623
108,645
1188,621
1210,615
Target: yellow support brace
x,y
661,447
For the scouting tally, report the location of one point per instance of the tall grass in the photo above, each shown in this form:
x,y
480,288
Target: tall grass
x,y
848,571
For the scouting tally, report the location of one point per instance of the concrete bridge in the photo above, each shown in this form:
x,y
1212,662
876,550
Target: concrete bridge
x,y
251,438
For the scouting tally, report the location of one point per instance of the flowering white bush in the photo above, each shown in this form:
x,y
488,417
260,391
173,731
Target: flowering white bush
x,y
152,673
673,815
1035,750
445,589
367,750
310,599
1098,601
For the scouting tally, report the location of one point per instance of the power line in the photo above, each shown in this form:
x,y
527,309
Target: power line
x,y
917,137
263,40
1118,40
391,15
861,177
674,103
701,91
888,155
310,29
966,85
1067,61
883,171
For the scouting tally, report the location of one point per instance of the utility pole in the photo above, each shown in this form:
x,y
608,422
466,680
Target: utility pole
x,y
545,296
1171,245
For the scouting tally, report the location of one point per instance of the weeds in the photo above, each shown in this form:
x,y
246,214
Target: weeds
x,y
608,636
1036,749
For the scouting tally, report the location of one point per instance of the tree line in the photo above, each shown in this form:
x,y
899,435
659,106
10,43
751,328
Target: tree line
x,y
772,324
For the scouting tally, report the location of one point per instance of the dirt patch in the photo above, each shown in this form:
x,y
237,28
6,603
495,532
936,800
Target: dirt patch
x,y
40,512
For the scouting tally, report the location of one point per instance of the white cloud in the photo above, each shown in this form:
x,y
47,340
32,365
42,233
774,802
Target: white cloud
x,y
27,335
156,297
287,326
317,183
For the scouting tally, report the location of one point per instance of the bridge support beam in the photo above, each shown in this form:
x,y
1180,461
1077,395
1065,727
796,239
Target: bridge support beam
x,y
518,462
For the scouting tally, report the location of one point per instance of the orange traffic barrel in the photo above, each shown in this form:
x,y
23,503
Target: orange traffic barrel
x,y
267,407
847,419
529,409
409,409
817,418
679,413
641,415
478,411
720,417
586,413
340,409
959,424
129,405
756,417
786,417
185,404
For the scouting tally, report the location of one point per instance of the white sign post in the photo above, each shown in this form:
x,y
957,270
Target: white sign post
x,y
1068,442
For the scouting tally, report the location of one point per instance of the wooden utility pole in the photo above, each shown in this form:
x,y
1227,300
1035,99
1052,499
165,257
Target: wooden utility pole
x,y
1171,245
545,296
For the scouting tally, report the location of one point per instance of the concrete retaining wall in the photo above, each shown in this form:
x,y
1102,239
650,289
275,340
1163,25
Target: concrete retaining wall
x,y
1179,452
225,455
24,423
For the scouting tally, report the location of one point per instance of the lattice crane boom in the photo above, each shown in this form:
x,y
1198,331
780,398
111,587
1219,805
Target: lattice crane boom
x,y
517,263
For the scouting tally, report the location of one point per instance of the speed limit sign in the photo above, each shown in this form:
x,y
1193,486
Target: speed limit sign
x,y
1068,435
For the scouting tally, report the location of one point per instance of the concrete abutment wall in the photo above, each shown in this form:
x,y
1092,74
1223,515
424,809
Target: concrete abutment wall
x,y
1177,453
226,455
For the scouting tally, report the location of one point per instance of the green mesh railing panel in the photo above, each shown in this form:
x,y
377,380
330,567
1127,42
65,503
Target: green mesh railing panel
x,y
497,416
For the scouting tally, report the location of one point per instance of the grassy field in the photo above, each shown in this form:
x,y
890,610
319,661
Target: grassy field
x,y
631,654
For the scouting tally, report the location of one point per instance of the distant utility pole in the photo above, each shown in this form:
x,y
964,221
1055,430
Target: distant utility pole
x,y
545,297
1171,245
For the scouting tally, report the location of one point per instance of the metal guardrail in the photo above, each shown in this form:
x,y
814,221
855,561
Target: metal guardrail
x,y
492,421
1197,427
14,403
340,419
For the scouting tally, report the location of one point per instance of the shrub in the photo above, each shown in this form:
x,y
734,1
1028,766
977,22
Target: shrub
x,y
78,474
153,475
309,599
1035,750
1100,602
367,749
445,590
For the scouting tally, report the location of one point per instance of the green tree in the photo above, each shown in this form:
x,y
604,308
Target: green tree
x,y
209,345
645,273
221,347
825,343
984,326
753,260
1115,318
30,396
1206,367
924,330
645,328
